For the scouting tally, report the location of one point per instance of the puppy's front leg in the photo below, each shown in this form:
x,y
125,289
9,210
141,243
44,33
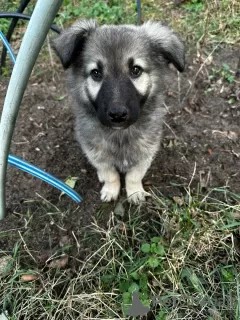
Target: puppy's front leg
x,y
111,179
134,187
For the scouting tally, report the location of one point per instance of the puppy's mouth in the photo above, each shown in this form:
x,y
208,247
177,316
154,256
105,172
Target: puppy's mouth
x,y
118,128
122,126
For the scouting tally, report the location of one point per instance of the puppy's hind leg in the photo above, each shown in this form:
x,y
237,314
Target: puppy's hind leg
x,y
111,179
134,187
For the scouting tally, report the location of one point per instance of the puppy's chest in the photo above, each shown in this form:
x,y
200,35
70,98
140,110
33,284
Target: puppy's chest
x,y
124,153
127,150
121,149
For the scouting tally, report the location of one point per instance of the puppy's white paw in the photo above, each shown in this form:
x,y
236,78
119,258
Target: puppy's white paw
x,y
110,191
135,192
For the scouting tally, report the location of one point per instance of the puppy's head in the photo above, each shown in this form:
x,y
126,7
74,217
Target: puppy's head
x,y
116,70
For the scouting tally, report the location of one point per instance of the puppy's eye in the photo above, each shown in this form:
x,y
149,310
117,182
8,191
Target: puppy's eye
x,y
136,71
96,75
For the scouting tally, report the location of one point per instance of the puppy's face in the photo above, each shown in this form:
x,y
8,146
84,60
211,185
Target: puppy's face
x,y
117,68
117,79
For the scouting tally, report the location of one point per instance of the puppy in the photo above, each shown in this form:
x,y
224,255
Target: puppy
x,y
117,78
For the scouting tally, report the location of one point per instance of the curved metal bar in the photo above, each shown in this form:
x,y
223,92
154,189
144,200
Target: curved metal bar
x,y
139,11
38,27
11,28
25,17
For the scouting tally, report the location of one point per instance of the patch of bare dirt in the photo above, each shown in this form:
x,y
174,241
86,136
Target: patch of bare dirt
x,y
200,147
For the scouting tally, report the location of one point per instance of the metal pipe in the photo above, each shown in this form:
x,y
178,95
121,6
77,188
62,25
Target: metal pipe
x,y
139,11
38,27
25,17
11,28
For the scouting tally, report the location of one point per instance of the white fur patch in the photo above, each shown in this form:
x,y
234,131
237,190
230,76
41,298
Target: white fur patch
x,y
93,87
134,188
140,62
91,66
110,191
142,83
111,188
136,193
125,163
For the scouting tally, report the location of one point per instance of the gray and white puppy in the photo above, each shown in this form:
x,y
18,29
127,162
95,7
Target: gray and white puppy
x,y
117,77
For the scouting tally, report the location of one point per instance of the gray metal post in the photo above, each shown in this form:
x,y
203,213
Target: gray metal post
x,y
38,27
139,11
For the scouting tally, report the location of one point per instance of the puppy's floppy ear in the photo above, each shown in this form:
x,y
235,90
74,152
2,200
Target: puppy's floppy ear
x,y
71,41
167,43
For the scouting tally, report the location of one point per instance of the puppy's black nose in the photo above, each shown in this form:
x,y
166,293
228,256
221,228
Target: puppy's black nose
x,y
118,114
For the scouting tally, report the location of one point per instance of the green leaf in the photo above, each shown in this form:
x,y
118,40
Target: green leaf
x,y
127,301
230,78
159,250
135,275
156,239
133,287
123,286
143,282
231,100
60,98
107,278
225,67
153,247
145,299
195,282
71,181
230,225
127,297
227,275
146,248
153,262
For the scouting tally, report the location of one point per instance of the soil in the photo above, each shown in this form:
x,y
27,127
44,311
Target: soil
x,y
200,148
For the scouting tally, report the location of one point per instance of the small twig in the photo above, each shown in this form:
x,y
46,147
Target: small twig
x,y
170,130
26,247
166,107
193,174
45,200
50,51
75,238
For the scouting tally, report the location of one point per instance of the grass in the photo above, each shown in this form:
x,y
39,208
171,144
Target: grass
x,y
198,21
183,250
201,23
206,22
187,254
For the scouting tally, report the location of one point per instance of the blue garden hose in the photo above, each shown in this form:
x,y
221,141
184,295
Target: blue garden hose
x,y
7,45
36,172
29,168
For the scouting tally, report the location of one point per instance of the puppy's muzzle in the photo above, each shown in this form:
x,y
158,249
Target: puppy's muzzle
x,y
118,115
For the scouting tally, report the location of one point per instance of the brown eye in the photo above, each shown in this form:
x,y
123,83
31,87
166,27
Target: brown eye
x,y
96,75
136,71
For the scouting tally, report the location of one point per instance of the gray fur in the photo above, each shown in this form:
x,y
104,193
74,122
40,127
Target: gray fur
x,y
130,149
